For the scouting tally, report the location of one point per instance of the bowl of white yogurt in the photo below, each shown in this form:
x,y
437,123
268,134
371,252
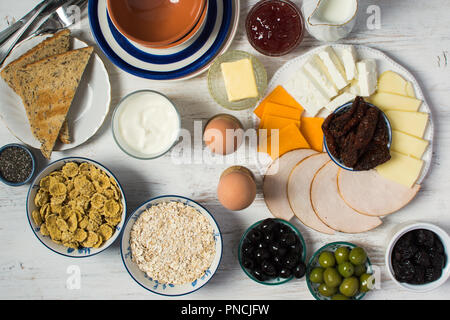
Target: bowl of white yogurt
x,y
146,124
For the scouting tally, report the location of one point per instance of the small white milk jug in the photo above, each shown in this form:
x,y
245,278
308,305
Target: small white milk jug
x,y
330,20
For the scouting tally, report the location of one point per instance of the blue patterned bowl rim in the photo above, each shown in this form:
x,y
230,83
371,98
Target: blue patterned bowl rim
x,y
138,211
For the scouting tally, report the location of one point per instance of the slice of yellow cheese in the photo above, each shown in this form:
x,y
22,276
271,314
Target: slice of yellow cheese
x,y
413,123
401,169
240,82
272,122
311,128
279,110
288,139
408,145
390,101
280,96
392,82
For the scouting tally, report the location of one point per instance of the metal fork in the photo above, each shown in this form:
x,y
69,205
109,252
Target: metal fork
x,y
12,42
60,19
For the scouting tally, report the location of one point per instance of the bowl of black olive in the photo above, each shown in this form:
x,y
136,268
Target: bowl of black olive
x,y
417,256
17,165
272,252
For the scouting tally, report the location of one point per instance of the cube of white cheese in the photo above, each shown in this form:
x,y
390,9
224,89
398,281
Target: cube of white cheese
x,y
348,57
367,77
239,77
315,68
340,100
307,93
334,67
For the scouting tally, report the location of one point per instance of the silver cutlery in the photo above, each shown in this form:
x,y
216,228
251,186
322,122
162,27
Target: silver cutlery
x,y
7,33
59,19
8,46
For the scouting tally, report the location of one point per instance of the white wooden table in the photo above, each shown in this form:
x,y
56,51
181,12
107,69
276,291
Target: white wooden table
x,y
415,33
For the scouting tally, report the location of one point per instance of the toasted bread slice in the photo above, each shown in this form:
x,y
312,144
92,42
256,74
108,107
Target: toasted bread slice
x,y
48,87
57,44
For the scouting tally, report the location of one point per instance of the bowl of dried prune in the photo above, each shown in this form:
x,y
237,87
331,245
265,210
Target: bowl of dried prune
x,y
358,136
272,252
417,256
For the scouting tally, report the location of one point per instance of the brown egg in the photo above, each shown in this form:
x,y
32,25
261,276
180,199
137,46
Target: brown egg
x,y
223,134
237,188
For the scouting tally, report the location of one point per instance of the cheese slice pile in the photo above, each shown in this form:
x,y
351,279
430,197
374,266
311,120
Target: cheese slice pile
x,y
331,78
396,97
287,130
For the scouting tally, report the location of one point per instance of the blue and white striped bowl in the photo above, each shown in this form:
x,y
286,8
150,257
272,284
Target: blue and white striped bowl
x,y
180,62
152,284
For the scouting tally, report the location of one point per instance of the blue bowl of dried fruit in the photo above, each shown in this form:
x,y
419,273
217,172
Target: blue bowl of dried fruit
x,y
382,135
17,165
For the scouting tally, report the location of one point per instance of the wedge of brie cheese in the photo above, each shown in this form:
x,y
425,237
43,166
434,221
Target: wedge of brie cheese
x,y
334,67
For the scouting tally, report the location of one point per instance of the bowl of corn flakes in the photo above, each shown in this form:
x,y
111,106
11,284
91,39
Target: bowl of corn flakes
x,y
76,207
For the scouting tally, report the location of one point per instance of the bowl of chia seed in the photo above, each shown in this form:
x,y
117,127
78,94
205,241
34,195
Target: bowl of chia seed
x,y
17,165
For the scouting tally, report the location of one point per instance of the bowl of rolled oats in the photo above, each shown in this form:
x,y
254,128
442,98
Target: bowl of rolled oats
x,y
76,207
171,245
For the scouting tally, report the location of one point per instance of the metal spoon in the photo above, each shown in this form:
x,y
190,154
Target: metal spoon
x,y
12,42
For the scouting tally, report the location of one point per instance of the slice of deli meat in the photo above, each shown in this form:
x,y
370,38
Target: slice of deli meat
x,y
332,209
299,187
275,182
369,193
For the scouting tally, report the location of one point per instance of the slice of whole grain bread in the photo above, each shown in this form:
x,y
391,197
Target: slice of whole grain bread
x,y
47,88
59,43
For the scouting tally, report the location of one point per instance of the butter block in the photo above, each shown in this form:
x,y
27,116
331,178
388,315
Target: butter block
x,y
401,169
317,71
391,101
408,145
240,82
334,67
413,123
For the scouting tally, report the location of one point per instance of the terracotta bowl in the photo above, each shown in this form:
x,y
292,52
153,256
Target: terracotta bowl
x,y
192,35
155,22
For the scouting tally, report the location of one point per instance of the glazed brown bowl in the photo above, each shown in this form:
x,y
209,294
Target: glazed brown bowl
x,y
155,23
190,36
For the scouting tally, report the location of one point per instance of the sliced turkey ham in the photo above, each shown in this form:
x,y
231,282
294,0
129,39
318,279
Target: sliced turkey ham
x,y
369,193
332,209
275,182
299,186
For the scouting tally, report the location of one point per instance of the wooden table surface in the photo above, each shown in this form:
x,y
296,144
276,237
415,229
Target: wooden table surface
x,y
414,33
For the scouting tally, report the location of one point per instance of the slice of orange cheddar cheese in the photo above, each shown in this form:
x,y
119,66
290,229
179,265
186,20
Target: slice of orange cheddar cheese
x,y
311,128
289,138
279,110
279,96
272,122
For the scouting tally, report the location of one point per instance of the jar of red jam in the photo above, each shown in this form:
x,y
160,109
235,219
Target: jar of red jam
x,y
275,27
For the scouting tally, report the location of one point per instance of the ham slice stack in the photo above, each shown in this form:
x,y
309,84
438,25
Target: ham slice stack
x,y
307,185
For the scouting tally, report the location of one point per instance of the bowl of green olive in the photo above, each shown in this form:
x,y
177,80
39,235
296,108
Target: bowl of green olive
x,y
340,271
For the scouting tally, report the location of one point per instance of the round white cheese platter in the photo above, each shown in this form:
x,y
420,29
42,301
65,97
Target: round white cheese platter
x,y
384,63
